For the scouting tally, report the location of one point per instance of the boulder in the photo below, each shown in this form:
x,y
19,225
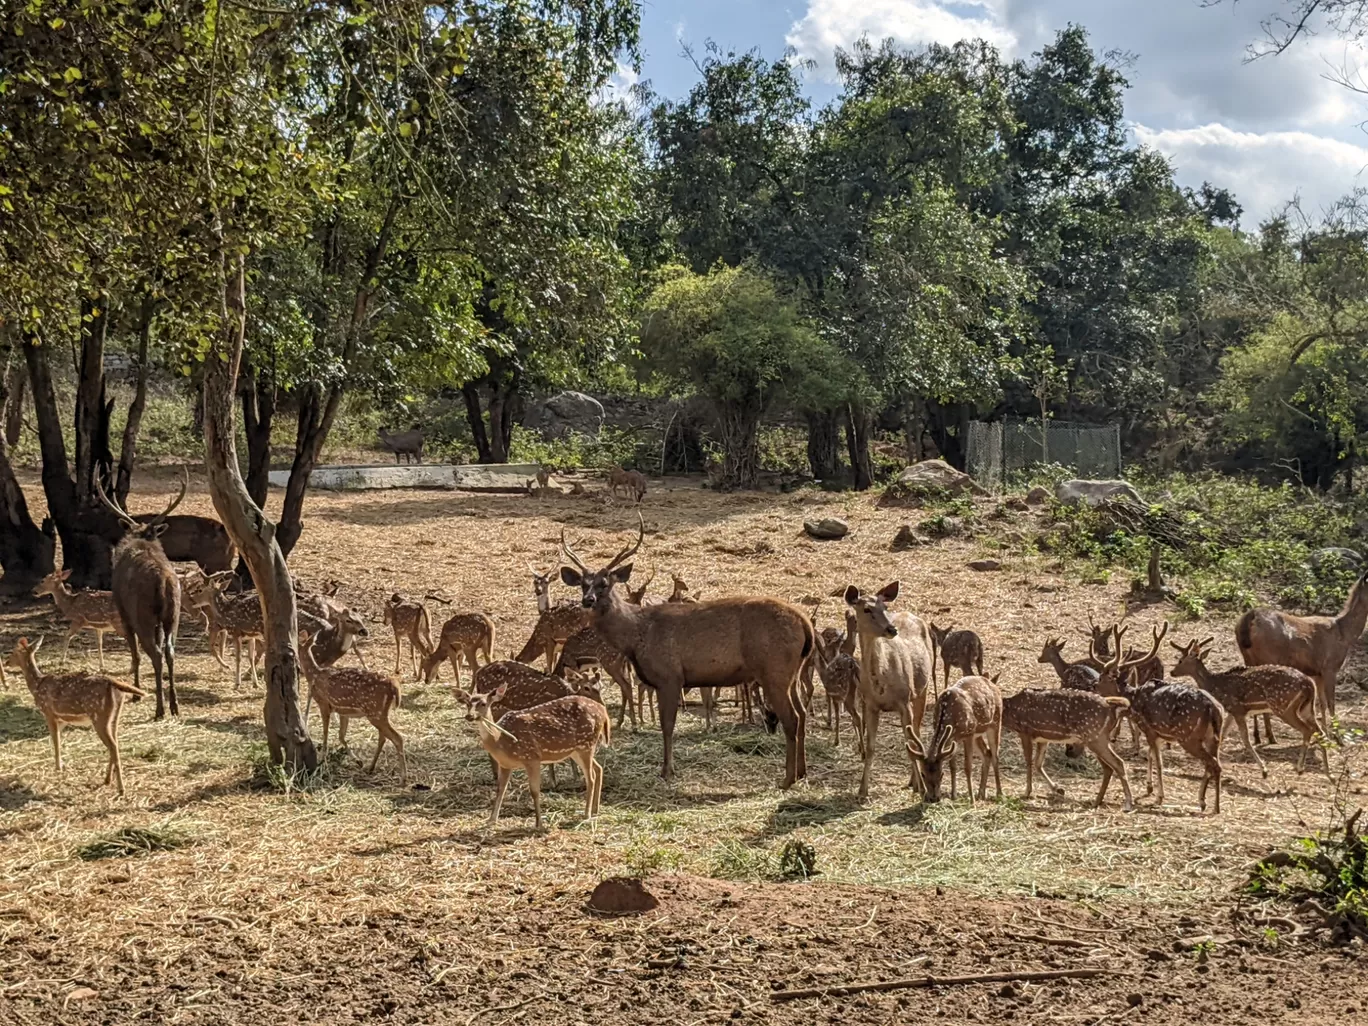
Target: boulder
x,y
826,529
1017,504
568,412
985,565
1038,496
1094,493
925,479
1334,558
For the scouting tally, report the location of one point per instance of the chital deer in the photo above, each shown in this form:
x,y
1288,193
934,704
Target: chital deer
x,y
147,594
1117,671
1167,711
1045,717
637,596
1315,645
629,482
553,628
71,699
1283,691
719,643
835,662
895,669
464,635
541,586
1100,651
571,727
968,714
84,610
681,590
1080,676
334,641
410,621
236,617
961,649
349,692
586,648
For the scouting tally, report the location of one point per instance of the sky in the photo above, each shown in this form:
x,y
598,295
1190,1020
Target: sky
x,y
1269,129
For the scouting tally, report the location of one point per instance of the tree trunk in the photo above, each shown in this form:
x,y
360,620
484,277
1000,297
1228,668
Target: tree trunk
x,y
15,382
129,447
307,443
93,458
914,424
258,413
287,733
26,553
475,418
502,406
823,445
740,429
857,442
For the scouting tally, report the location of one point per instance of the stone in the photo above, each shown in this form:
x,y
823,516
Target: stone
x,y
1017,504
826,529
907,538
1094,493
622,896
985,565
938,476
1334,558
568,412
1038,496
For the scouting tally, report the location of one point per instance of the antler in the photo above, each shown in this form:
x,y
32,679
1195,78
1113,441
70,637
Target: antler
x,y
124,518
1159,635
571,555
631,550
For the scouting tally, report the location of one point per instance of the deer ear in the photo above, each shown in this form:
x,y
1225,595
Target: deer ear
x,y
64,575
571,578
852,594
499,692
889,592
622,574
461,695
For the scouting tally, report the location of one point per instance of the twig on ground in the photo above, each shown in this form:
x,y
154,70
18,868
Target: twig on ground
x,y
939,981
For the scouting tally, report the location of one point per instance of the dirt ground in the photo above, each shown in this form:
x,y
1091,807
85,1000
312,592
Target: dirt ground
x,y
350,898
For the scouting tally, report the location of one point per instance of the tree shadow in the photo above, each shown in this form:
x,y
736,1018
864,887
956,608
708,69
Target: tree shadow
x,y
242,725
15,794
198,696
793,814
20,721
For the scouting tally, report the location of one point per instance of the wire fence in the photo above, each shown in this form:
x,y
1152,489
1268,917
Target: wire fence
x,y
996,450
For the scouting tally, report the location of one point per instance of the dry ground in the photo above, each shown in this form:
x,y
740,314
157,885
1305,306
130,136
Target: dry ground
x,y
351,898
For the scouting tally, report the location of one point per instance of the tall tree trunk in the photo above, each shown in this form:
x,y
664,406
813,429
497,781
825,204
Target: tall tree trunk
x,y
740,429
258,414
93,458
475,418
823,445
129,447
502,407
287,733
857,442
26,553
16,380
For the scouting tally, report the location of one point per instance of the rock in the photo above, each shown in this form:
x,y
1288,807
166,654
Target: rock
x,y
1094,493
568,412
622,896
1038,496
827,529
907,538
925,479
1333,558
943,527
1017,504
985,564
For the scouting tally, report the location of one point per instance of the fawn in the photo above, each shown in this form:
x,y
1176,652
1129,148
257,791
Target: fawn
x,y
409,620
349,692
1045,717
834,656
961,649
571,727
970,713
86,610
235,616
1286,693
464,635
69,699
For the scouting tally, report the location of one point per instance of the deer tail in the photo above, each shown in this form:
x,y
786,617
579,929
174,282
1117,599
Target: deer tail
x,y
134,694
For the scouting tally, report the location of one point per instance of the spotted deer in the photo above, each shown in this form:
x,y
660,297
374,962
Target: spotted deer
x,y
1079,676
464,636
631,483
1045,717
1244,690
84,610
961,649
409,619
553,628
333,642
839,670
72,699
680,592
349,691
1187,715
587,647
1116,671
968,714
237,617
523,686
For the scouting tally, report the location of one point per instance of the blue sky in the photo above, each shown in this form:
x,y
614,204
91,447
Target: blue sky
x,y
1268,129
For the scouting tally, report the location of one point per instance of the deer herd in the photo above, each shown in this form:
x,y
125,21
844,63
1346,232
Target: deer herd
x,y
772,652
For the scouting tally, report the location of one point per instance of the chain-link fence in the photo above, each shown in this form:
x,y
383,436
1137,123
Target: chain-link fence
x,y
996,450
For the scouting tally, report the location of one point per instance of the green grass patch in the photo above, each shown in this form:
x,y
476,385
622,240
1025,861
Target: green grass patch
x,y
131,841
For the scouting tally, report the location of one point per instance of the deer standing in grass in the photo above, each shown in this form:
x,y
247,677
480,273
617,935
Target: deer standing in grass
x,y
835,663
1115,671
968,714
349,692
1241,690
718,643
409,620
71,699
1168,711
1068,716
463,636
147,595
571,727
335,640
1315,645
895,669
84,610
586,648
237,617
961,649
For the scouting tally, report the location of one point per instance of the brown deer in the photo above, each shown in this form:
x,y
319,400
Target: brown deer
x,y
1100,650
1079,676
71,699
333,642
1117,671
147,595
586,648
349,692
629,482
681,590
895,669
570,727
719,643
236,617
1283,691
961,649
1045,717
1315,645
553,628
1168,711
464,635
403,443
85,610
409,619
968,714
524,686
835,663
191,539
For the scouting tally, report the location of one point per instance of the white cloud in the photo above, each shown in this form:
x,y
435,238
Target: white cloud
x,y
829,24
1263,169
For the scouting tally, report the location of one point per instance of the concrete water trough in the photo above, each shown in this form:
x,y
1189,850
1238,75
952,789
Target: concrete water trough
x,y
474,477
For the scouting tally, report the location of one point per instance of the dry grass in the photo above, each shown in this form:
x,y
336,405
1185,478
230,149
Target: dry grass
x,y
265,862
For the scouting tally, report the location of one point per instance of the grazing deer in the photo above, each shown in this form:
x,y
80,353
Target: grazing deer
x,y
961,649
85,610
586,648
350,692
191,539
1168,711
464,635
968,714
409,620
147,594
1315,645
834,658
719,643
70,699
553,628
895,669
629,482
334,641
403,443
1045,717
571,727
1283,691
237,617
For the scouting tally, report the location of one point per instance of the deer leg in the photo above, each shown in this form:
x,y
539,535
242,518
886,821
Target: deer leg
x,y
326,712
1154,764
788,709
99,647
871,734
1244,734
342,722
856,724
800,766
598,782
169,655
534,785
996,755
55,732
379,743
1041,748
1111,763
113,770
918,709
834,721
237,665
667,702
914,780
251,660
586,764
397,651
501,778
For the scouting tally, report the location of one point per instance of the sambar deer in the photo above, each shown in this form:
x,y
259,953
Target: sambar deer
x,y
403,443
725,642
192,539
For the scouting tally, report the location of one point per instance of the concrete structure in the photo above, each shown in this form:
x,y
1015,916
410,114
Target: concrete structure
x,y
500,477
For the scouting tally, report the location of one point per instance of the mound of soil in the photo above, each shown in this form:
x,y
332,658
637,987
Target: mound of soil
x,y
622,896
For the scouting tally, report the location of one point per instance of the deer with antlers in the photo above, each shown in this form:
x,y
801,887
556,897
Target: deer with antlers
x,y
724,642
1045,717
147,594
71,699
968,714
84,610
1115,670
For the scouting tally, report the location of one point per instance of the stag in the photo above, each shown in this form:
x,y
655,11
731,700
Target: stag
x,y
725,642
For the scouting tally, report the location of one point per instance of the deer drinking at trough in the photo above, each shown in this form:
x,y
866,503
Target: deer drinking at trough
x,y
724,642
968,714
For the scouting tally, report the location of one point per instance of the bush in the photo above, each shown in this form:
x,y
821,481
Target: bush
x,y
613,447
